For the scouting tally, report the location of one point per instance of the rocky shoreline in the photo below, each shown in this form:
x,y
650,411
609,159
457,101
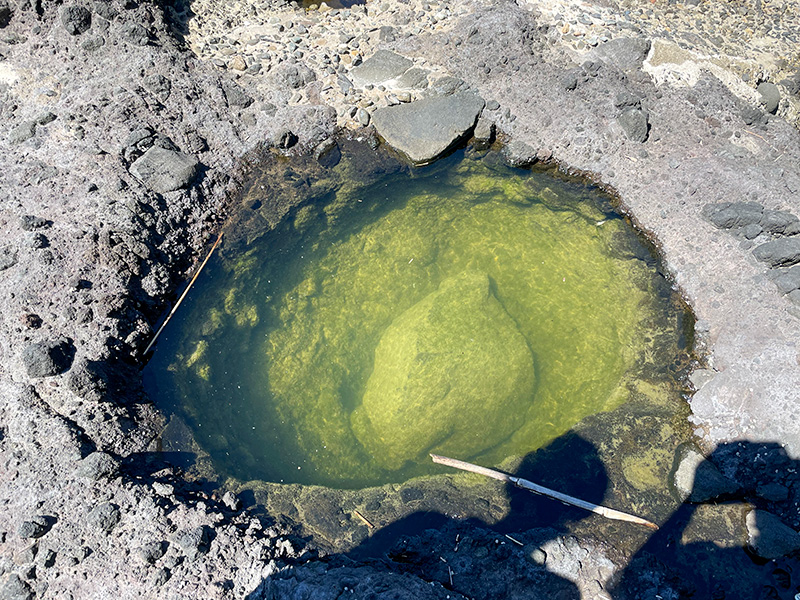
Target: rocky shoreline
x,y
123,153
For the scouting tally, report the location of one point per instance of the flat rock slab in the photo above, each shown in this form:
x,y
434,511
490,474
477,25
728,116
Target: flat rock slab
x,y
164,170
779,253
425,129
380,68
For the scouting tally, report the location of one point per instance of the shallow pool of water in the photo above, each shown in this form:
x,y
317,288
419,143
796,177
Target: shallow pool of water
x,y
466,309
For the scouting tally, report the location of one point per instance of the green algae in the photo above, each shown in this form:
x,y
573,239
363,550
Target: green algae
x,y
473,310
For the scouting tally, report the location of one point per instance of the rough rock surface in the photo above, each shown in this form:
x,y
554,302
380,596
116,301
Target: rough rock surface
x,y
426,128
73,90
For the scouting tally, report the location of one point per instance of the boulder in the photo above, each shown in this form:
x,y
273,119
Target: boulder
x,y
769,537
695,479
46,359
425,129
76,19
453,362
104,517
728,215
787,280
635,123
380,68
163,170
779,253
770,96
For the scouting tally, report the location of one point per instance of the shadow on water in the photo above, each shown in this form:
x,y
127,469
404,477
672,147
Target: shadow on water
x,y
700,552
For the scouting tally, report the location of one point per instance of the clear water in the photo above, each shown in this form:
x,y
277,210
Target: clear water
x,y
466,309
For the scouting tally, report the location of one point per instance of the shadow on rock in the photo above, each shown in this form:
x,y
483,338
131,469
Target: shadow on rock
x,y
733,537
529,554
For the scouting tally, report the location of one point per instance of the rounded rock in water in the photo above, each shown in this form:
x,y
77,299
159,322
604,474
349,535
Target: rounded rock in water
x,y
452,362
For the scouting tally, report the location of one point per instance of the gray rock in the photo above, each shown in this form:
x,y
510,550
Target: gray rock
x,y
780,221
5,14
769,537
484,133
14,588
106,10
363,117
30,222
136,34
787,280
159,85
779,253
8,258
751,231
380,68
695,479
446,86
33,528
624,53
152,551
104,517
327,152
297,76
160,577
569,80
231,500
193,542
285,139
413,79
794,297
76,19
728,215
634,122
163,170
96,466
700,377
425,129
22,132
774,492
770,96
46,359
344,83
519,154
235,95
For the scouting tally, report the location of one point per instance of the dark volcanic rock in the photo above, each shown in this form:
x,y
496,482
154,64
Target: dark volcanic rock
x,y
235,95
769,537
164,170
780,221
727,215
193,542
770,96
779,253
96,466
104,516
33,528
635,123
8,258
5,14
425,129
46,359
787,280
76,19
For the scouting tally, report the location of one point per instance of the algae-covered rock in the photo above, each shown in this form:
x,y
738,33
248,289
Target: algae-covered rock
x,y
456,366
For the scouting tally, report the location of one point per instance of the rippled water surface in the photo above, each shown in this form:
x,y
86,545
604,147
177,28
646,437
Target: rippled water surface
x,y
466,309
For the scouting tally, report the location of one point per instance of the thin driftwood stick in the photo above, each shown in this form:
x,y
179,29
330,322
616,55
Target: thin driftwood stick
x,y
609,513
183,295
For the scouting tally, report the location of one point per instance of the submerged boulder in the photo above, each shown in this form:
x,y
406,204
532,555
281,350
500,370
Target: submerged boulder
x,y
452,374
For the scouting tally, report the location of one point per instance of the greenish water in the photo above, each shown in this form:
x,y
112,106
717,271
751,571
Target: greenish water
x,y
466,309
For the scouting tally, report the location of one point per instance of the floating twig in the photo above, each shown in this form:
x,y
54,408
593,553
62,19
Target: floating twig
x,y
517,542
183,295
604,511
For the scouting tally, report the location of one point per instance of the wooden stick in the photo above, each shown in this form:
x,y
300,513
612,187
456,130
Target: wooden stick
x,y
183,295
609,513
364,519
